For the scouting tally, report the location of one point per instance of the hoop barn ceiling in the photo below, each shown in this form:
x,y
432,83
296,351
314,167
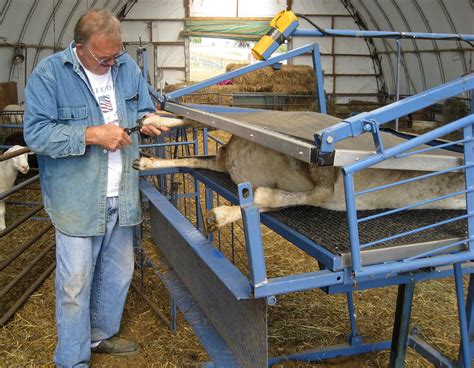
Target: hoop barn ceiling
x,y
41,27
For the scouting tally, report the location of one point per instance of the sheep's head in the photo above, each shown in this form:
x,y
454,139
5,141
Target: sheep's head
x,y
20,162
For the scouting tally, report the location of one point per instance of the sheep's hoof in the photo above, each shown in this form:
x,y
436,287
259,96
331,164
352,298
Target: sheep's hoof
x,y
221,216
142,163
210,222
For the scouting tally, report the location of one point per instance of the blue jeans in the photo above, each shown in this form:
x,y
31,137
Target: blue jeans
x,y
93,275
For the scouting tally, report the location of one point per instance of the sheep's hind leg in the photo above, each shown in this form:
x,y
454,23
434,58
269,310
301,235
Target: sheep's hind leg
x,y
147,163
277,198
220,216
267,199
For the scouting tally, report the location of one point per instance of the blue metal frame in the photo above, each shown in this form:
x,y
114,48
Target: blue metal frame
x,y
356,276
313,49
363,123
383,34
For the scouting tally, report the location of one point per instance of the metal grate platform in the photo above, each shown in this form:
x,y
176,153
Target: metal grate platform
x,y
328,228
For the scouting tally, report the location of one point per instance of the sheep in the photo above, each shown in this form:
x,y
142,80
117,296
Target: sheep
x,y
281,181
16,116
8,172
16,138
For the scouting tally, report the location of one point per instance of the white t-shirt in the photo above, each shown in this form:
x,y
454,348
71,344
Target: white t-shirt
x,y
104,91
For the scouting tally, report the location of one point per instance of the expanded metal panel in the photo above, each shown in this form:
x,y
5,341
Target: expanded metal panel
x,y
329,228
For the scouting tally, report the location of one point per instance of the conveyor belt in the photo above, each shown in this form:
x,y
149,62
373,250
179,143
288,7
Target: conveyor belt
x,y
328,228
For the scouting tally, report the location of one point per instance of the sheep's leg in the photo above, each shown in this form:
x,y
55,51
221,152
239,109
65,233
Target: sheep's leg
x,y
268,199
162,121
277,198
223,215
2,215
145,163
216,163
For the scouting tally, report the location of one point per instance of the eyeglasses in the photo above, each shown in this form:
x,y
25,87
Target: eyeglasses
x,y
105,61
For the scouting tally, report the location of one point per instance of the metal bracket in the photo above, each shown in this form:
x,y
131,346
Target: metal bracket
x,y
354,340
245,195
372,126
253,236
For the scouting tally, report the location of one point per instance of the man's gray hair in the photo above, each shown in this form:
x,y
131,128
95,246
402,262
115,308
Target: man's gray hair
x,y
100,21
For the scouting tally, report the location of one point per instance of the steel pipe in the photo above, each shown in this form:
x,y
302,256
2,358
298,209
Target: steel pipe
x,y
24,271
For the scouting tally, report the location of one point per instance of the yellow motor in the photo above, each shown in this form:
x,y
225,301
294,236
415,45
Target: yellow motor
x,y
282,26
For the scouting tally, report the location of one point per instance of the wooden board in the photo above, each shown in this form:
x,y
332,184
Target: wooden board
x,y
8,94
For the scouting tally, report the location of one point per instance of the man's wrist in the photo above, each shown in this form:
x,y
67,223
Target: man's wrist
x,y
91,136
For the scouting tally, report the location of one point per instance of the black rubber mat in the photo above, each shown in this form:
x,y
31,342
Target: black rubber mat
x,y
330,230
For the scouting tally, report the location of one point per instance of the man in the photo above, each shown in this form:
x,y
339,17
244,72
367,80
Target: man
x,y
78,103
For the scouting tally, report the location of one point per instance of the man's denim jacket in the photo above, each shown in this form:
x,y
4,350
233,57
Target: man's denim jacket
x,y
59,105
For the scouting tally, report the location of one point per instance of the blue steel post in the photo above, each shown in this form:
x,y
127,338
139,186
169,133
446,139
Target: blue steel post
x,y
397,92
470,318
470,311
465,348
209,198
253,236
469,175
205,144
199,218
352,221
401,325
354,338
145,63
318,73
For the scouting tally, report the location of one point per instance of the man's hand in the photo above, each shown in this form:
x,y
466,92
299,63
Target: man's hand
x,y
109,136
151,130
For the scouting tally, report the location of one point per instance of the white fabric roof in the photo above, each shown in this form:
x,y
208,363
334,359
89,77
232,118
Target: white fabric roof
x,y
44,26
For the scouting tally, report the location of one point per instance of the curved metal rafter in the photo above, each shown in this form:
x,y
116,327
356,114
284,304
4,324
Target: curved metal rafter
x,y
385,43
23,32
66,23
125,9
415,46
4,10
376,59
435,44
403,62
388,50
453,28
116,6
45,31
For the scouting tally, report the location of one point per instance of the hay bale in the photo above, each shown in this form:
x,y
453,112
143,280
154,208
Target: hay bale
x,y
213,95
173,87
454,109
290,79
423,125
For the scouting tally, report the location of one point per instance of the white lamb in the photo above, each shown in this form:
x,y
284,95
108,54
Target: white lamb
x,y
281,181
8,172
16,116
